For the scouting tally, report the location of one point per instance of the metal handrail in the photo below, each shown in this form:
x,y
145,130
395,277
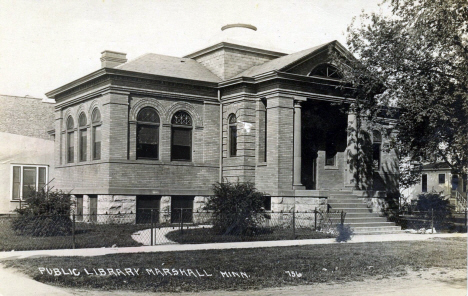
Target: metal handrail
x,y
461,201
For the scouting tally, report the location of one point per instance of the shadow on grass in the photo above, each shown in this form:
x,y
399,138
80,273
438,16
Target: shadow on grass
x,y
209,235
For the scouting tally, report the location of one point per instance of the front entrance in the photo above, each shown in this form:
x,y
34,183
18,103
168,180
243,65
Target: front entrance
x,y
145,204
324,128
182,209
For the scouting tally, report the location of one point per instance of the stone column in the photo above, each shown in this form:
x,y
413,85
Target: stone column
x,y
351,151
297,146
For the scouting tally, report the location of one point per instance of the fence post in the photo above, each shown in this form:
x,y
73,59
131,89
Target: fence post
x,y
181,221
466,211
432,219
315,219
294,223
73,231
152,228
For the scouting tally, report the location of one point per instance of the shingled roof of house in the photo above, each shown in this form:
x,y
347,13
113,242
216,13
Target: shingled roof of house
x,y
163,65
436,166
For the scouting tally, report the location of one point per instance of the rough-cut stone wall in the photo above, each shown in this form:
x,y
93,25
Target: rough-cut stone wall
x,y
299,204
165,209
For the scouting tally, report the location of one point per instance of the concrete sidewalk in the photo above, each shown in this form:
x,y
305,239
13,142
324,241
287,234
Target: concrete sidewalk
x,y
220,246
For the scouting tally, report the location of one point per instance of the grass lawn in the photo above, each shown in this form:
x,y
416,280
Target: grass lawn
x,y
265,267
87,236
207,235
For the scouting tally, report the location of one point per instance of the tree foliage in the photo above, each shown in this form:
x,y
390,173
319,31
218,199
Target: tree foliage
x,y
238,208
416,59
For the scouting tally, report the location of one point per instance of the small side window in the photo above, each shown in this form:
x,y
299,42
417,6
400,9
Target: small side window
x,y
441,178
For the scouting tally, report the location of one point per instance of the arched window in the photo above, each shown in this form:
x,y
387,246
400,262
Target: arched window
x,y
232,135
70,140
181,148
376,149
265,131
96,129
326,70
147,134
83,132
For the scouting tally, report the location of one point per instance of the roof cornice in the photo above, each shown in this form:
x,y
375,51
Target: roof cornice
x,y
112,71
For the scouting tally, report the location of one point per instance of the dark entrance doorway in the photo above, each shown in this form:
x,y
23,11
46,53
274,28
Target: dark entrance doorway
x,y
324,126
146,204
182,209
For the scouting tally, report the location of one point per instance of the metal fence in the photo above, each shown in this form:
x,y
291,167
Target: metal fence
x,y
434,218
153,227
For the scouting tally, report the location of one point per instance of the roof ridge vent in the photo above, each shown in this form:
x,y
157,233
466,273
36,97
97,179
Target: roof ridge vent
x,y
247,26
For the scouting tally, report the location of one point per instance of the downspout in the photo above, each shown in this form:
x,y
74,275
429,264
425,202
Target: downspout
x,y
220,137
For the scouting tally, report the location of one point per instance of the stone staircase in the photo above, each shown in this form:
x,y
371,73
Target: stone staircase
x,y
358,215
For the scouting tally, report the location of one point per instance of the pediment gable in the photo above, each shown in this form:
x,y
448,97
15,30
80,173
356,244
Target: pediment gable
x,y
320,62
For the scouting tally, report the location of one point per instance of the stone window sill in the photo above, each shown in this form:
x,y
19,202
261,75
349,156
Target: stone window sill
x,y
329,167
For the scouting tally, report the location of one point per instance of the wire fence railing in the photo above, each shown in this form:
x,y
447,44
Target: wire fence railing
x,y
439,219
154,227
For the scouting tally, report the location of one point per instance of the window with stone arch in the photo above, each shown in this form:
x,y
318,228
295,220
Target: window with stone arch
x,y
147,134
70,144
181,136
83,136
96,136
326,70
232,120
376,149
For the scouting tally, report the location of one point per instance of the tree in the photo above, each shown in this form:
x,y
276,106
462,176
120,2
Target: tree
x,y
238,208
415,59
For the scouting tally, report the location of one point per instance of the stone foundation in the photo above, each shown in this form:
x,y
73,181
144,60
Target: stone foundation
x,y
298,204
122,209
165,210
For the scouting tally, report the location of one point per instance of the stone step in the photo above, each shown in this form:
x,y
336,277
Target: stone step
x,y
345,200
363,215
370,224
344,195
352,210
340,192
347,205
376,230
349,220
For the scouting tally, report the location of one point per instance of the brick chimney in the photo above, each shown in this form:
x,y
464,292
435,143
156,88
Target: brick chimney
x,y
112,59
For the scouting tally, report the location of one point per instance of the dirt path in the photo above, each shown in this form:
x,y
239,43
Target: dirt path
x,y
431,282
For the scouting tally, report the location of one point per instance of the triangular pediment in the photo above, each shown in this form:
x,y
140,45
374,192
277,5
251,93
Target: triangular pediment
x,y
320,62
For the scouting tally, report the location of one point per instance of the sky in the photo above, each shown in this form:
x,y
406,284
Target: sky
x,y
46,44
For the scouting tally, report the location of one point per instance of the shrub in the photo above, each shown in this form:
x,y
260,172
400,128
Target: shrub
x,y
45,214
433,205
238,208
42,225
344,233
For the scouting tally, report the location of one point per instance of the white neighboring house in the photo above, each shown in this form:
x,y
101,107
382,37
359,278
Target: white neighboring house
x,y
26,148
439,177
